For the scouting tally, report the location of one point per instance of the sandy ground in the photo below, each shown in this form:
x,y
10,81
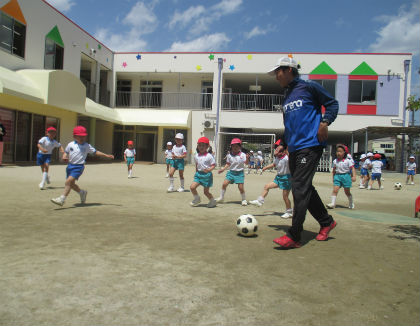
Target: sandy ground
x,y
135,255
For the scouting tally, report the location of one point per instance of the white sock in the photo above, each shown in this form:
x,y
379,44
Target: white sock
x,y
171,181
289,210
333,198
222,193
243,196
350,199
129,172
182,183
261,199
44,176
63,198
196,197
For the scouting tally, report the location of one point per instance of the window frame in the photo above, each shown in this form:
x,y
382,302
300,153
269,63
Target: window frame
x,y
54,55
317,80
12,31
363,81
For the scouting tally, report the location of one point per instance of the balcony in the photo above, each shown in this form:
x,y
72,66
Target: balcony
x,y
251,102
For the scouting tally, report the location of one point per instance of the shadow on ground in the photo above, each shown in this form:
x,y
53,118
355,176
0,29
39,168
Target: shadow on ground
x,y
405,232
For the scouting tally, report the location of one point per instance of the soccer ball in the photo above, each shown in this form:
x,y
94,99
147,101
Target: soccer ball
x,y
247,225
397,186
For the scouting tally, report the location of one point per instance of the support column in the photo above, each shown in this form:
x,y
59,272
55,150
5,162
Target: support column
x,y
352,144
366,140
92,131
97,81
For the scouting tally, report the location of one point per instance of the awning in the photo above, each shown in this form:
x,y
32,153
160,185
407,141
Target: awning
x,y
382,132
147,117
99,111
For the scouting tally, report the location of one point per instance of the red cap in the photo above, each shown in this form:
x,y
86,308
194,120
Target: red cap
x,y
79,131
236,141
130,142
278,142
51,129
204,140
346,150
377,155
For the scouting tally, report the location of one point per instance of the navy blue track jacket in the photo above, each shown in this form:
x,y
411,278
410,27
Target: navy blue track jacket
x,y
302,113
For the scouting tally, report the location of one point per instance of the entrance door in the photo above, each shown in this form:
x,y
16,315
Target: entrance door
x,y
23,135
145,147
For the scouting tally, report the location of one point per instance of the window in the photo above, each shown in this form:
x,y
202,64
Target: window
x,y
362,91
150,93
123,93
328,84
169,135
54,55
12,35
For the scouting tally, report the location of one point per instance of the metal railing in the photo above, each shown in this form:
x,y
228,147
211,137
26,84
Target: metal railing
x,y
251,102
90,88
164,100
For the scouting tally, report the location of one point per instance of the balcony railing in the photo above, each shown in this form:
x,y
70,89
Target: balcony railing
x,y
251,102
90,88
164,100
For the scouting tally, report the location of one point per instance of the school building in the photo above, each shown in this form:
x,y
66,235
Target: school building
x,y
54,73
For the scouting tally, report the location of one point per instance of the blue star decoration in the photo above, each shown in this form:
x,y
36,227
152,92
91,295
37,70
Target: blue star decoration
x,y
138,56
232,67
174,56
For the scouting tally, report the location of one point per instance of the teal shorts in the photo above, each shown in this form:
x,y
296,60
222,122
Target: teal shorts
x,y
130,160
342,180
178,164
204,179
235,176
283,181
169,161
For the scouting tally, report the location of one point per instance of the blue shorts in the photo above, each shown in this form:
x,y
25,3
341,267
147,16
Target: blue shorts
x,y
283,181
204,179
178,164
251,163
376,176
342,180
410,172
42,159
235,176
169,161
75,170
130,160
364,171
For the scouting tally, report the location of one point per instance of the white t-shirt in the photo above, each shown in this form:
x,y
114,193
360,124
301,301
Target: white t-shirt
x,y
260,158
366,163
411,166
342,166
48,144
236,162
179,151
130,152
377,166
204,162
168,154
251,158
282,165
77,152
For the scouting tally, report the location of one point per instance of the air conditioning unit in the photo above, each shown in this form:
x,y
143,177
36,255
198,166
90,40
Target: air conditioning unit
x,y
208,124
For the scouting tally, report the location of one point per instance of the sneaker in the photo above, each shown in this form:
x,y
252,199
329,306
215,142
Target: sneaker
x,y
171,189
412,183
287,215
256,202
382,187
58,201
330,206
351,205
324,231
287,242
220,200
48,180
167,175
83,195
42,186
212,203
361,187
244,203
195,201
180,189
369,188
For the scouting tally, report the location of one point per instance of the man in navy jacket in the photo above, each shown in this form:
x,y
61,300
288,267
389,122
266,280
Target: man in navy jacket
x,y
306,132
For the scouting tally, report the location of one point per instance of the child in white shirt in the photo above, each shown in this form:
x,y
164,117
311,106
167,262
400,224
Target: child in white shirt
x,y
130,157
168,157
376,167
179,153
411,169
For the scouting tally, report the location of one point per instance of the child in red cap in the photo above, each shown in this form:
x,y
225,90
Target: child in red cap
x,y
76,153
204,164
376,167
46,145
129,157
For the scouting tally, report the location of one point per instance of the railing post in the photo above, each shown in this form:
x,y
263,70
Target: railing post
x,y
216,137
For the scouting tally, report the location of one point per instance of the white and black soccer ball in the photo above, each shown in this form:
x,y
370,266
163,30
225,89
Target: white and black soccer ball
x,y
397,185
247,225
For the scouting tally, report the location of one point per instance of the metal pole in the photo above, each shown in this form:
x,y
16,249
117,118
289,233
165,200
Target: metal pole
x,y
366,140
352,144
406,68
216,136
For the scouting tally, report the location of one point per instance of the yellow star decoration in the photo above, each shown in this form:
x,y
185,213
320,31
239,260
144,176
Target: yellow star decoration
x,y
87,45
249,56
198,67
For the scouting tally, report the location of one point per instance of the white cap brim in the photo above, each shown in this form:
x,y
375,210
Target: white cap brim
x,y
272,72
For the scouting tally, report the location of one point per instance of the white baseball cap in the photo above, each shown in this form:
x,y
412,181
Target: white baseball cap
x,y
179,136
251,151
412,156
169,143
362,156
283,62
369,154
259,152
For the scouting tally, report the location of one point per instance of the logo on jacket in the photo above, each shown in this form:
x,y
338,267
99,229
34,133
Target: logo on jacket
x,y
303,161
291,106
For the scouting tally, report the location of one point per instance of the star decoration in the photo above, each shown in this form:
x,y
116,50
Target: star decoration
x,y
290,55
211,56
99,47
249,56
87,45
224,59
124,64
232,67
138,56
174,56
198,67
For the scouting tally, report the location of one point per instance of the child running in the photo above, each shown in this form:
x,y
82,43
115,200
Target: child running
x,y
168,157
282,179
364,172
343,175
76,153
46,145
235,161
179,152
129,157
260,162
376,167
411,169
251,163
204,164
